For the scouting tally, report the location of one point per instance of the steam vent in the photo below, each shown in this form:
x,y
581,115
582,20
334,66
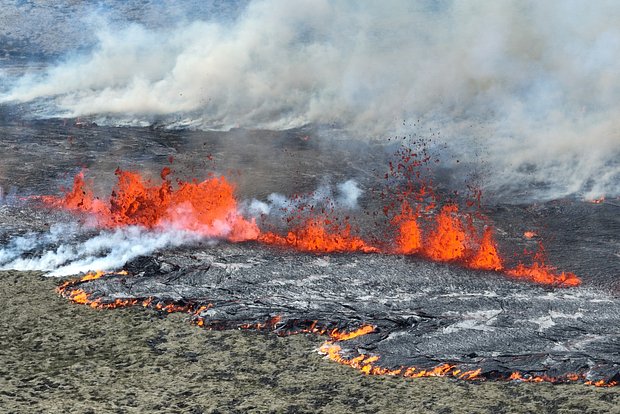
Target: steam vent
x,y
426,198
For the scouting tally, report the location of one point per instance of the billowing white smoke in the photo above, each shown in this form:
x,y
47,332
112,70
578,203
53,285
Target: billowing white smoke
x,y
535,85
324,197
31,241
58,255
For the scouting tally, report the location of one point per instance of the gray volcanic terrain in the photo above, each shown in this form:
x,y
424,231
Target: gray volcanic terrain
x,y
353,117
425,313
136,360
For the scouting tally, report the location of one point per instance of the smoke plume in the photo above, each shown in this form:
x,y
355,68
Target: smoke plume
x,y
533,86
55,253
323,198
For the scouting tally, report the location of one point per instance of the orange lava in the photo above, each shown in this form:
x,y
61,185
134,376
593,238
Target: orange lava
x,y
451,241
80,197
530,234
447,242
409,239
598,200
487,256
93,275
363,362
542,273
208,207
88,276
366,364
337,335
603,383
69,290
269,324
83,298
320,235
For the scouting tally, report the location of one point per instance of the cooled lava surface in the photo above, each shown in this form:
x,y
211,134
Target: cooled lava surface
x,y
424,314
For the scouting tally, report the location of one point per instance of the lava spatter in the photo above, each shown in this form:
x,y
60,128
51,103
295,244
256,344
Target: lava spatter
x,y
208,207
409,237
320,235
447,242
487,257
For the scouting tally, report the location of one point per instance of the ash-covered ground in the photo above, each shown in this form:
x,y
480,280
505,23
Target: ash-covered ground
x,y
425,313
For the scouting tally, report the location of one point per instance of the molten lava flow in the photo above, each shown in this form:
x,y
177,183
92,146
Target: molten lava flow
x,y
70,291
208,207
270,324
542,273
487,257
363,362
518,376
93,275
367,365
409,239
337,335
320,235
88,276
447,241
443,370
603,383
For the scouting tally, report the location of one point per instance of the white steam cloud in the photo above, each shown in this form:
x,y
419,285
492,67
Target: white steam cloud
x,y
324,197
533,84
56,254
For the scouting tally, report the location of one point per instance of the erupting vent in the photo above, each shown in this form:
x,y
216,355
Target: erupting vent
x,y
210,208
